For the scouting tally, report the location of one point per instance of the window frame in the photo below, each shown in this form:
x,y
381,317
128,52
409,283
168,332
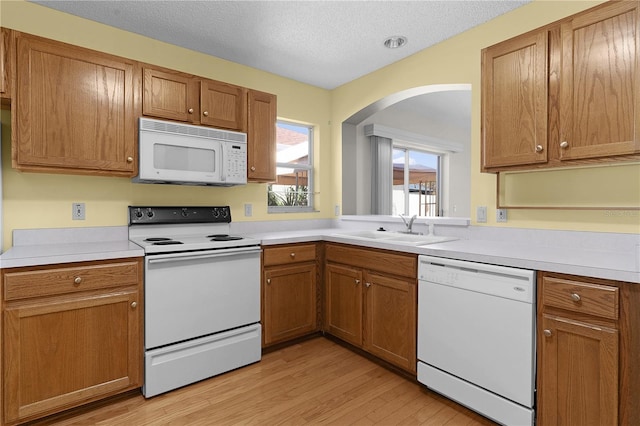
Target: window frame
x,y
308,167
405,186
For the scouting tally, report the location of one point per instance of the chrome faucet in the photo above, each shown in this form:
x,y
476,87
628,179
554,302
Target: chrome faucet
x,y
409,224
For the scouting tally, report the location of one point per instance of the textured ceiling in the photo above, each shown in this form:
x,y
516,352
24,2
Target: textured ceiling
x,y
322,43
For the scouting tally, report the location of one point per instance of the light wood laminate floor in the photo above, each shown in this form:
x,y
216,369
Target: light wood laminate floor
x,y
314,382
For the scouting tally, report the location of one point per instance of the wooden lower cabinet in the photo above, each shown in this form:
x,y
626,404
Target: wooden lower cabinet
x,y
289,292
79,342
588,351
371,301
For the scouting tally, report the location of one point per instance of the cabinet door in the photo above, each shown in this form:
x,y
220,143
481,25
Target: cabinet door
x,y
390,320
344,303
514,101
4,63
600,83
289,302
223,105
174,96
579,373
261,137
59,354
75,110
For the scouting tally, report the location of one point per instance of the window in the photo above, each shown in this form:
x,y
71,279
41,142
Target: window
x,y
416,182
293,189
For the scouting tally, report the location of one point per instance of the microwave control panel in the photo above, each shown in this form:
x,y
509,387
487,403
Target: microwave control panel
x,y
235,159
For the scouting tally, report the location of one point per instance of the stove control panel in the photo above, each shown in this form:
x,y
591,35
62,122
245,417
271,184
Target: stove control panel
x,y
139,215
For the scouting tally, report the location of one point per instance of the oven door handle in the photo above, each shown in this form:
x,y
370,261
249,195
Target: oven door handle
x,y
178,257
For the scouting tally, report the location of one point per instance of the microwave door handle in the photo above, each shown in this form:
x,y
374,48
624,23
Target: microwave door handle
x,y
223,175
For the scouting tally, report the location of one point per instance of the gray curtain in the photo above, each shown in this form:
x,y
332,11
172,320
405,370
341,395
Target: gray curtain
x,y
381,175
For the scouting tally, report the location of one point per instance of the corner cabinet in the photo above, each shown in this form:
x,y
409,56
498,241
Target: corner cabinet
x,y
74,110
72,334
371,301
289,292
588,349
565,94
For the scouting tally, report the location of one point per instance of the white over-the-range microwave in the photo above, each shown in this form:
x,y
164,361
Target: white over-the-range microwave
x,y
190,155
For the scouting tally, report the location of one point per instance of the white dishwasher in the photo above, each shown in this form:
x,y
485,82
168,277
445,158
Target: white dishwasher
x,y
476,336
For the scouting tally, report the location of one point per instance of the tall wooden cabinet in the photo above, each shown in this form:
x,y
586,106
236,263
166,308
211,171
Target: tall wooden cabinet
x,y
565,94
74,110
289,292
588,343
261,133
72,333
5,54
371,301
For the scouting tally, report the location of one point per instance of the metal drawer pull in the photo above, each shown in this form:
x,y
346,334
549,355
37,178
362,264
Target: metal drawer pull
x,y
268,280
357,282
77,280
539,148
564,144
547,333
134,304
190,110
292,255
368,285
575,297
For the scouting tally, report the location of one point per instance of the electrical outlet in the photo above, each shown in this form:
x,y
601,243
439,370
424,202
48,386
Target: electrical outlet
x,y
501,215
248,210
77,211
481,214
336,210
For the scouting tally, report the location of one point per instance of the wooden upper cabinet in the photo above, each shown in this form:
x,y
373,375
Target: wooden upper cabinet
x,y
600,83
261,136
514,101
184,97
223,105
5,76
565,94
74,110
170,95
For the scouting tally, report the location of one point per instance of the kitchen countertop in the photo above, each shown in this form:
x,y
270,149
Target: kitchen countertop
x,y
88,244
614,265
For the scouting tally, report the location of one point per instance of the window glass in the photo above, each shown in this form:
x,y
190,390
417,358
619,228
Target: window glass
x,y
293,189
415,182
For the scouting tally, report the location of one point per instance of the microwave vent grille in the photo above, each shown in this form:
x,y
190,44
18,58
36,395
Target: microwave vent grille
x,y
185,129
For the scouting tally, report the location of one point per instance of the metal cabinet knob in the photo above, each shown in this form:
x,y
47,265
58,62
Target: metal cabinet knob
x,y
253,168
575,297
292,255
268,280
134,304
564,144
205,113
357,282
77,280
547,333
129,160
190,110
539,148
367,284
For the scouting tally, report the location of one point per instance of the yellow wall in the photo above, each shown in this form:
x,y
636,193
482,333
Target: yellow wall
x,y
43,200
457,60
33,200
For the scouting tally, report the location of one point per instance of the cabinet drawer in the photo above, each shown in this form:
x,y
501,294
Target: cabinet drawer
x,y
586,298
23,284
289,254
394,263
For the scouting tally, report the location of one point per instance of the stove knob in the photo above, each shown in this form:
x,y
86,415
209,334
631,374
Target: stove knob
x,y
224,213
216,212
185,213
150,213
138,213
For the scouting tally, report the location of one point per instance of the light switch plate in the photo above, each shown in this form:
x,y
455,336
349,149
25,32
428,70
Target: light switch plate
x,y
481,214
248,210
77,211
501,215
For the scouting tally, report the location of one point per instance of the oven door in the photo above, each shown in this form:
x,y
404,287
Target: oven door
x,y
178,158
194,294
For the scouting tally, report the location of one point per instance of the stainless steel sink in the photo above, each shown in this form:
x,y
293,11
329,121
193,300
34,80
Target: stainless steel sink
x,y
397,237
